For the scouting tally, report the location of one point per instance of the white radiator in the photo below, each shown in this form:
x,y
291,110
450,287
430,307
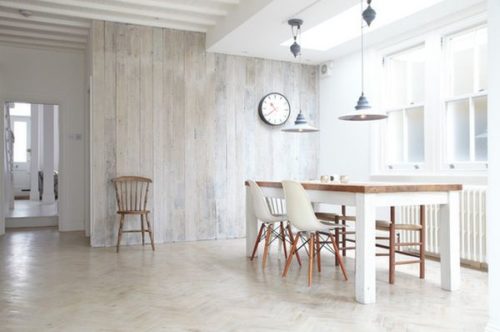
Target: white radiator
x,y
472,224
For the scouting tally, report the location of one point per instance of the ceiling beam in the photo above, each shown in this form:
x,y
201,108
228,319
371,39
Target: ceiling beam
x,y
204,10
48,20
102,17
117,9
38,35
240,14
44,43
44,27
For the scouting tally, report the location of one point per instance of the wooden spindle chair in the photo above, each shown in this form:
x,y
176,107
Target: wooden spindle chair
x,y
132,198
394,246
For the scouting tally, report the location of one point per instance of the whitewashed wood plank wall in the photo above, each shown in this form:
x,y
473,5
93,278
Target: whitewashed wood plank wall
x,y
164,108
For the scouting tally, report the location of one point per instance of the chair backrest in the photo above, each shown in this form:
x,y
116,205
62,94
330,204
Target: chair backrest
x,y
299,208
131,192
260,206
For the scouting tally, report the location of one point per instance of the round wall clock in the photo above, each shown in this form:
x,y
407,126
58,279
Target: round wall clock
x,y
274,109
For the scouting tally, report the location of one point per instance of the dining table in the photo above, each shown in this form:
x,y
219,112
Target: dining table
x,y
366,197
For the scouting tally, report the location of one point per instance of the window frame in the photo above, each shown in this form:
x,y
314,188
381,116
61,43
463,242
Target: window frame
x,y
404,108
434,106
445,163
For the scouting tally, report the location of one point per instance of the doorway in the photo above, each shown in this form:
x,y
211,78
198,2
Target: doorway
x,y
31,164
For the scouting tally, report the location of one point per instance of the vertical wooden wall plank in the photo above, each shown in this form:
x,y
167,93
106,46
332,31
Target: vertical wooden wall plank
x,y
109,142
146,158
98,222
221,144
159,116
174,91
166,109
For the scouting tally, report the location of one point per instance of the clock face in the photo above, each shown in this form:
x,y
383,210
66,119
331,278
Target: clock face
x,y
274,109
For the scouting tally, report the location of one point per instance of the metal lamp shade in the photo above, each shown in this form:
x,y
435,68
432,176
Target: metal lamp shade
x,y
300,126
363,112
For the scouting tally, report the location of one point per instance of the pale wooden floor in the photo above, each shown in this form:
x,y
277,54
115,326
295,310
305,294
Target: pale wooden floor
x,y
55,282
27,208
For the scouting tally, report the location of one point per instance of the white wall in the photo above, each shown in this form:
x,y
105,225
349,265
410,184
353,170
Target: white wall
x,y
53,77
493,195
345,145
351,147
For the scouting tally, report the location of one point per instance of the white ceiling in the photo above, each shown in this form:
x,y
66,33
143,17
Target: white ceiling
x,y
66,23
241,27
262,32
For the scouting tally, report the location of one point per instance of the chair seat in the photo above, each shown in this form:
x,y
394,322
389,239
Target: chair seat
x,y
134,212
275,218
329,225
330,216
327,216
384,225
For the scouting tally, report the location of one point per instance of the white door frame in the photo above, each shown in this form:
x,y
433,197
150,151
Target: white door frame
x,y
33,99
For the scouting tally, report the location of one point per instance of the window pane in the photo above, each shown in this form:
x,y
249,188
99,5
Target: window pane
x,y
463,66
482,42
458,130
468,55
415,123
395,138
418,82
20,109
481,126
406,81
20,143
397,83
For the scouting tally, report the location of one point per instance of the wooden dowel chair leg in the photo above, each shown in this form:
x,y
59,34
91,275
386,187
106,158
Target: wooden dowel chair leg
x,y
257,241
283,238
339,258
344,235
266,245
318,251
120,232
293,251
150,231
311,258
293,240
337,237
142,228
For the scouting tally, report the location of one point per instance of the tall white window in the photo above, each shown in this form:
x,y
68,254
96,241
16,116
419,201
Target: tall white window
x,y
466,99
404,102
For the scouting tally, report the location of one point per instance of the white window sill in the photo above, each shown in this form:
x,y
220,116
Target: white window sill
x,y
469,178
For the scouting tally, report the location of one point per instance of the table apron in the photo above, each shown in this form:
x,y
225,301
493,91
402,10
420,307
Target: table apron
x,y
379,199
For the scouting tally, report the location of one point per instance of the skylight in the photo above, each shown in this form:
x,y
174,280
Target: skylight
x,y
346,25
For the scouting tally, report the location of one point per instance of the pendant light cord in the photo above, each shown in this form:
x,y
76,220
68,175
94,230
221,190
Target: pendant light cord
x,y
362,54
300,63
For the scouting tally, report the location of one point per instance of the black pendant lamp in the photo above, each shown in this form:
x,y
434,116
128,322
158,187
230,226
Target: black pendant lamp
x,y
295,24
301,125
363,111
369,14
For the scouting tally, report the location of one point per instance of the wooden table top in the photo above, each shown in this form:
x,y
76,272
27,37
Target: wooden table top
x,y
369,187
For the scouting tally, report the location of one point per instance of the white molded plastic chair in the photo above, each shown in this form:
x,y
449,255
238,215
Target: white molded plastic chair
x,y
301,215
263,213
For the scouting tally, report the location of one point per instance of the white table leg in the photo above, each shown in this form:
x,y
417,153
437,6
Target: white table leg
x,y
251,223
365,249
449,242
